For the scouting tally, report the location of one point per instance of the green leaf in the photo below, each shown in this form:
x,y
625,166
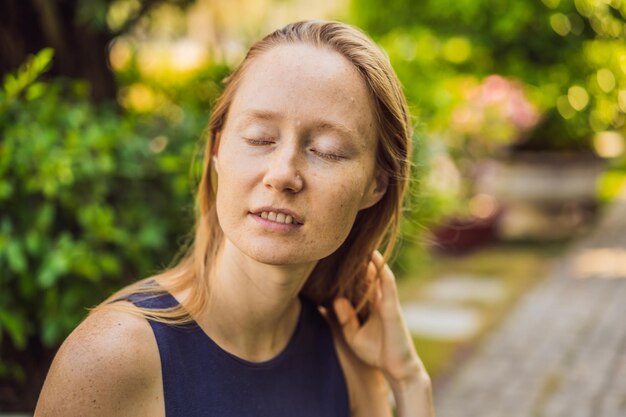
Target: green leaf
x,y
15,326
15,257
51,331
6,189
44,216
33,242
42,61
35,91
55,265
14,84
11,84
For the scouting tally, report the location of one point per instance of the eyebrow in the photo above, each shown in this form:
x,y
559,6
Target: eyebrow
x,y
340,128
316,124
261,114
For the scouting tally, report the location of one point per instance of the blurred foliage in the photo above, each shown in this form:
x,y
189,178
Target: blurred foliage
x,y
612,183
570,55
90,198
489,77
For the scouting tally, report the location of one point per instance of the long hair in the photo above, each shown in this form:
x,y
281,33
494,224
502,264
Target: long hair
x,y
341,274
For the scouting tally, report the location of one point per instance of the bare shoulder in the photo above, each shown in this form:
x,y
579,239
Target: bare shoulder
x,y
109,365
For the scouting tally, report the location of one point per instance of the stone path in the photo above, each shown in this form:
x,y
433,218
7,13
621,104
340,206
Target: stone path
x,y
562,350
442,311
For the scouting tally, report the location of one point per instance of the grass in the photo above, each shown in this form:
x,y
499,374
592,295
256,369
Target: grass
x,y
519,266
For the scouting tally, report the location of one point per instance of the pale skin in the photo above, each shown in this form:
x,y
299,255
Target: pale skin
x,y
299,137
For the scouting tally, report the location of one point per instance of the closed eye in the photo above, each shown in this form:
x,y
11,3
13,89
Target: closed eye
x,y
259,142
328,156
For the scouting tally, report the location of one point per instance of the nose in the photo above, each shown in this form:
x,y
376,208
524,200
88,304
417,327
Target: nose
x,y
282,172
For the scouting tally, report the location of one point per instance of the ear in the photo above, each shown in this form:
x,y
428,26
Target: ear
x,y
214,150
376,190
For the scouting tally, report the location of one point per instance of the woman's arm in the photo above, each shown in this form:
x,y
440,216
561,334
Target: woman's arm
x,y
367,389
384,343
109,366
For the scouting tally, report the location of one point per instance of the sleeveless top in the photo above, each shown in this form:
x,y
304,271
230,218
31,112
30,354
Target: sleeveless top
x,y
200,379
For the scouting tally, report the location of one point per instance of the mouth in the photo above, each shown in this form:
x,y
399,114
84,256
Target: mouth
x,y
279,216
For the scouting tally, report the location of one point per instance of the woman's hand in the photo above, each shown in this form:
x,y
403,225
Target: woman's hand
x,y
384,342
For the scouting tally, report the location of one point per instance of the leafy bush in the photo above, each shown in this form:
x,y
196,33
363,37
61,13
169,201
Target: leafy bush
x,y
567,54
90,199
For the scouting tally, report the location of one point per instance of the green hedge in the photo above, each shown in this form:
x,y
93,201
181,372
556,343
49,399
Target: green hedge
x,y
91,198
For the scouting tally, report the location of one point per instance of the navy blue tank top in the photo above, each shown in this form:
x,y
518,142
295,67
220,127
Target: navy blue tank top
x,y
200,379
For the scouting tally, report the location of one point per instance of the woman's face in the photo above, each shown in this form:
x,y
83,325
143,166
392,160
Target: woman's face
x,y
296,157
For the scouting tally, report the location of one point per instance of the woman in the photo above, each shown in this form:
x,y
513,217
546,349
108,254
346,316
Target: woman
x,y
282,305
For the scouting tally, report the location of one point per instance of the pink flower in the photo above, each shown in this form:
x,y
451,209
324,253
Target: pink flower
x,y
494,113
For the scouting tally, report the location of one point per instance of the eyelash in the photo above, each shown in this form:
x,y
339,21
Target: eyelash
x,y
328,156
259,142
267,141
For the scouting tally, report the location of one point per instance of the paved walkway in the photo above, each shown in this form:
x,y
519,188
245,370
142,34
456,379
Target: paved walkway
x,y
562,350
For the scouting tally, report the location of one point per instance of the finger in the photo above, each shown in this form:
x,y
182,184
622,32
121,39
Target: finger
x,y
378,259
386,275
371,273
388,286
373,280
347,318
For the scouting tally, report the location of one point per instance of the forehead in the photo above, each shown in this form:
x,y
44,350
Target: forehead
x,y
303,83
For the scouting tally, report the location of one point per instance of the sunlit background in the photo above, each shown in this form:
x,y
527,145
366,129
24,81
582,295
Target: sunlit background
x,y
519,114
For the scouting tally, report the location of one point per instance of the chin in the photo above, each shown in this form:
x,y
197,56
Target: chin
x,y
273,258
272,252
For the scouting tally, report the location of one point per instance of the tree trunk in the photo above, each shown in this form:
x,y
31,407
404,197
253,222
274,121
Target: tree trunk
x,y
81,48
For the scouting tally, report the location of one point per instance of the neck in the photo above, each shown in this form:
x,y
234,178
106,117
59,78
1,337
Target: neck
x,y
253,307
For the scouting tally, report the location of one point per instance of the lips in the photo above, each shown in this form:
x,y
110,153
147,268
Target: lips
x,y
279,216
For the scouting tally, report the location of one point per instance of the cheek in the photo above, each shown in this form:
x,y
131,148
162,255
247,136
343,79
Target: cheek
x,y
234,175
224,198
231,187
343,203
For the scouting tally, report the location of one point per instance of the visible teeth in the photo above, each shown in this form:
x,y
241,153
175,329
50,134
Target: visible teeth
x,y
277,217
